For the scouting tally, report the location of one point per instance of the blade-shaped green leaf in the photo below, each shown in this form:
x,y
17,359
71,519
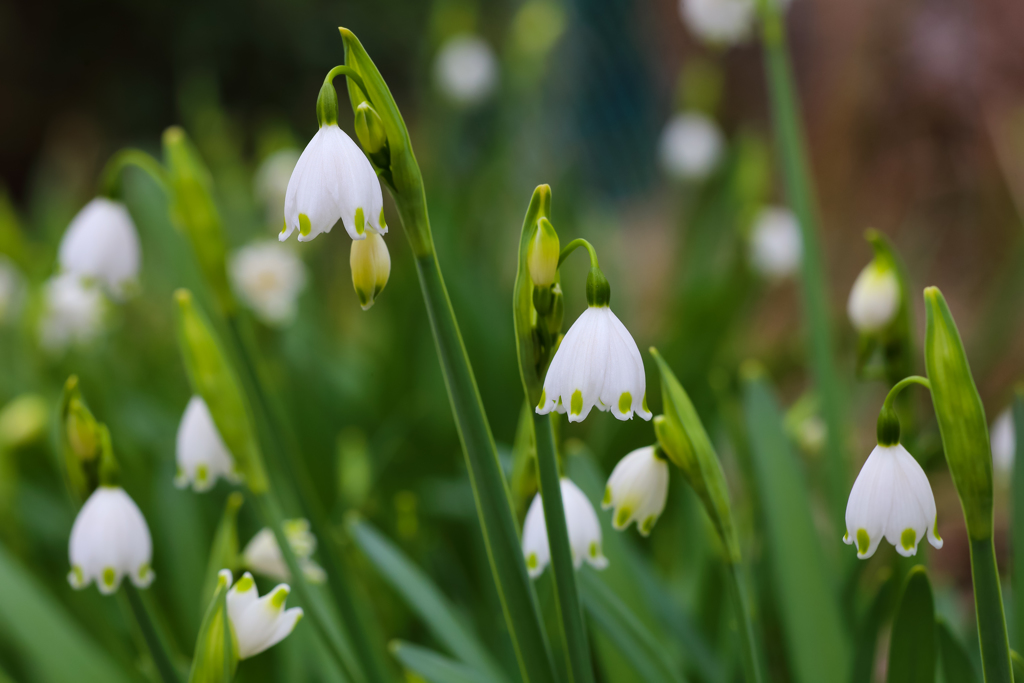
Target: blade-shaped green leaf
x,y
1017,518
866,642
435,667
956,663
912,649
805,593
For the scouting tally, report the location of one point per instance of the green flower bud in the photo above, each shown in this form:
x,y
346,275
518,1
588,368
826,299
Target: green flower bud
x,y
79,435
23,421
371,267
327,104
599,292
215,659
542,254
213,378
536,334
370,129
960,415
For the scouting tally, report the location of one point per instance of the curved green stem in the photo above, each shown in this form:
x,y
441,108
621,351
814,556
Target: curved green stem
x,y
900,386
573,246
156,645
349,72
110,179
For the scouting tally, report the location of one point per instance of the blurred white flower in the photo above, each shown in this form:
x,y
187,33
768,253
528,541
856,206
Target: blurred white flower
x,y
201,453
110,540
333,180
811,434
638,489
1004,442
268,277
72,312
583,526
775,243
258,623
101,244
370,262
691,146
271,182
263,555
597,364
466,70
874,298
12,290
724,22
891,499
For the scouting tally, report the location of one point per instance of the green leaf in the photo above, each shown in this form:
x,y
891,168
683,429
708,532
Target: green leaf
x,y
435,667
866,641
46,635
424,598
1017,517
956,663
224,549
912,648
1018,666
805,592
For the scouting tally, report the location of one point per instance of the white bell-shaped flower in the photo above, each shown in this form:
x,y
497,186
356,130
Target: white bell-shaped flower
x,y
466,70
263,555
101,244
72,312
201,453
874,298
638,489
109,541
12,290
270,184
583,526
691,146
333,180
891,499
1004,443
597,365
268,277
721,22
775,243
259,623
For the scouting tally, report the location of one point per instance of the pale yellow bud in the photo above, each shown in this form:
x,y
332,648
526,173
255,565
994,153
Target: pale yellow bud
x,y
542,254
371,266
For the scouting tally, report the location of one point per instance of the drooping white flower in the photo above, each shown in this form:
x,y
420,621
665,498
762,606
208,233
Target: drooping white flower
x,y
259,623
775,243
201,453
270,184
333,180
370,262
1004,442
583,526
101,244
11,290
638,489
891,499
597,365
466,70
263,555
109,541
691,146
72,312
723,22
268,276
874,298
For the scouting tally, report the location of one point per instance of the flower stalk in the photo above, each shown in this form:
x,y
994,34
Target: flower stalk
x,y
154,642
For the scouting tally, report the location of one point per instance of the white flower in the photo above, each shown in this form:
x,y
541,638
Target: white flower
x,y
775,243
1004,442
333,180
201,453
270,184
892,499
268,276
875,298
691,146
584,531
638,489
466,70
259,623
370,262
11,289
597,365
101,244
718,21
263,555
72,312
110,540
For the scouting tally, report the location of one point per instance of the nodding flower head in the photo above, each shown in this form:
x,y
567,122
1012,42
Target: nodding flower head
x,y
584,531
109,541
875,297
263,555
101,244
201,453
638,489
776,246
268,277
259,623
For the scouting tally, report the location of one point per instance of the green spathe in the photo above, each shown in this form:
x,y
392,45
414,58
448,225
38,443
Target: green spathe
x,y
216,655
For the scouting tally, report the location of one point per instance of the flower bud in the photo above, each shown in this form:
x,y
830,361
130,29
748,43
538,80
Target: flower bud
x,y
371,266
875,297
370,129
23,421
79,435
208,661
542,254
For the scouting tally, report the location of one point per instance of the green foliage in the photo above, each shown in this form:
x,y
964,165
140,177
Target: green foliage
x,y
912,650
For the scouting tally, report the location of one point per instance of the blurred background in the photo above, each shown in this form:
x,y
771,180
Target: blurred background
x,y
914,113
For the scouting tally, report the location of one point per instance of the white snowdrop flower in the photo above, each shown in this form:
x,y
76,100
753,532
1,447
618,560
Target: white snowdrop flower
x,y
263,555
72,312
1004,442
891,499
333,180
691,146
270,184
638,489
109,541
724,22
775,243
201,453
11,290
259,623
875,298
101,244
466,70
268,277
597,365
584,531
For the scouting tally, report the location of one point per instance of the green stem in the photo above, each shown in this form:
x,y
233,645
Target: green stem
x,y
901,385
1017,518
988,607
110,179
157,647
573,246
228,644
347,71
745,621
568,598
800,193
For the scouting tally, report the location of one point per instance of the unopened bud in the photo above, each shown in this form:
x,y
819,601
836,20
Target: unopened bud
x,y
370,129
542,254
82,430
371,266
